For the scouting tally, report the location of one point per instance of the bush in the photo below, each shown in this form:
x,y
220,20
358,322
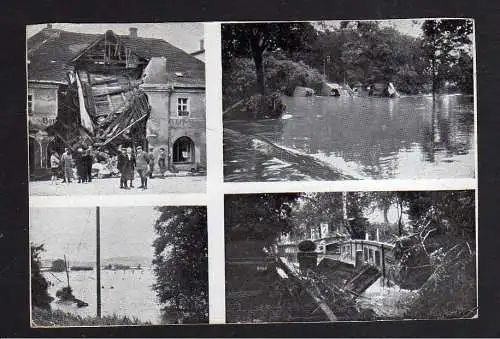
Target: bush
x,y
307,246
281,75
39,295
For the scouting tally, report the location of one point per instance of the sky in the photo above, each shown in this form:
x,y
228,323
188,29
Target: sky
x,y
125,232
185,36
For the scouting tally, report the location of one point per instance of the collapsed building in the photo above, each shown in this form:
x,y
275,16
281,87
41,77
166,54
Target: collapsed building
x,y
108,90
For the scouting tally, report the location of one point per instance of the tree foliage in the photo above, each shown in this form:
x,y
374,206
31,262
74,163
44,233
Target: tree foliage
x,y
359,53
58,265
181,262
253,39
39,296
450,213
444,44
261,217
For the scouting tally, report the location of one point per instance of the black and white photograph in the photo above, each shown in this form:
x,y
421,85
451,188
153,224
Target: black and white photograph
x,y
116,108
105,266
350,256
348,100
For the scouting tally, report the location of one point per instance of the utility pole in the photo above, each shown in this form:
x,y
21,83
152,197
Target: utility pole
x,y
98,258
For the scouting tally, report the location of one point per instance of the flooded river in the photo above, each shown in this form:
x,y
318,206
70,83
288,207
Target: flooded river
x,y
334,138
123,292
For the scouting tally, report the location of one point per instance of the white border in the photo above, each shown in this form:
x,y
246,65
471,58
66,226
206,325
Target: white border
x,y
215,193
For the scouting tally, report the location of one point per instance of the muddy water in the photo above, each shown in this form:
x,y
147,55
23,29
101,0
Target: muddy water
x,y
409,137
123,292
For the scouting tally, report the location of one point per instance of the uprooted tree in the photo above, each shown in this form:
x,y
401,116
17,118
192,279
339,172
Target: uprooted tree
x,y
181,263
439,259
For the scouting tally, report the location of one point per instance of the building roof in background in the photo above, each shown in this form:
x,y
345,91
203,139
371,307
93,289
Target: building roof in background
x,y
50,52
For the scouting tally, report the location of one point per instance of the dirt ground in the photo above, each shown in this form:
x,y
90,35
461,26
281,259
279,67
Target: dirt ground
x,y
187,184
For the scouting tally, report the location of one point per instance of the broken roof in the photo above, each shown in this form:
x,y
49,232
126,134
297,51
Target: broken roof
x,y
50,52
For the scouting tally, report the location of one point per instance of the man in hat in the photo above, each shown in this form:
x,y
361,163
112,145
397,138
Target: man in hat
x,y
142,166
80,163
122,158
126,165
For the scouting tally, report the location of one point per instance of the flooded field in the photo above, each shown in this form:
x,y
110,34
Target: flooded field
x,y
355,138
123,292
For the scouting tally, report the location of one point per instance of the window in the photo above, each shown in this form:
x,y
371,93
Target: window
x,y
182,107
30,104
183,150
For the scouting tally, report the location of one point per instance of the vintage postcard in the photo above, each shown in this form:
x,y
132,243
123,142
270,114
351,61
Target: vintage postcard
x,y
313,171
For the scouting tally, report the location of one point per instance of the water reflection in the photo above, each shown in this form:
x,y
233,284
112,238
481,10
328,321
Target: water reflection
x,y
378,138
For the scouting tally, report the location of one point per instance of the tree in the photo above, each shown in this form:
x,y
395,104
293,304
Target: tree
x,y
58,265
253,39
181,262
260,217
443,42
317,209
450,213
39,295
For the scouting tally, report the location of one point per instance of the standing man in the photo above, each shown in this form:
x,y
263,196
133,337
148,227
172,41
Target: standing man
x,y
142,160
130,166
151,162
122,158
67,165
81,170
162,161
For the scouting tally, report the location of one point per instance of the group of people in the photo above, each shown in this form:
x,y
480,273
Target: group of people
x,y
128,162
143,162
81,159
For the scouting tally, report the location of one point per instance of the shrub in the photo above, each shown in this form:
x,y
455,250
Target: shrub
x,y
281,75
307,246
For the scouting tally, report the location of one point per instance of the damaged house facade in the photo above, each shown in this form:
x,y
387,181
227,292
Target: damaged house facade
x,y
108,90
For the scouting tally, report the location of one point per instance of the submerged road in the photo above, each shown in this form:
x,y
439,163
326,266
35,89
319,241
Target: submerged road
x,y
254,158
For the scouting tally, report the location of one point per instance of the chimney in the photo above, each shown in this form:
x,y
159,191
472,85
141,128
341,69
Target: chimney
x,y
133,32
202,45
49,26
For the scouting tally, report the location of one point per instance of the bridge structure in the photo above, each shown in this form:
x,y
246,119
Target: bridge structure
x,y
355,252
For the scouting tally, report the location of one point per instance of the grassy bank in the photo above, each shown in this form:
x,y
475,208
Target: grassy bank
x,y
42,318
